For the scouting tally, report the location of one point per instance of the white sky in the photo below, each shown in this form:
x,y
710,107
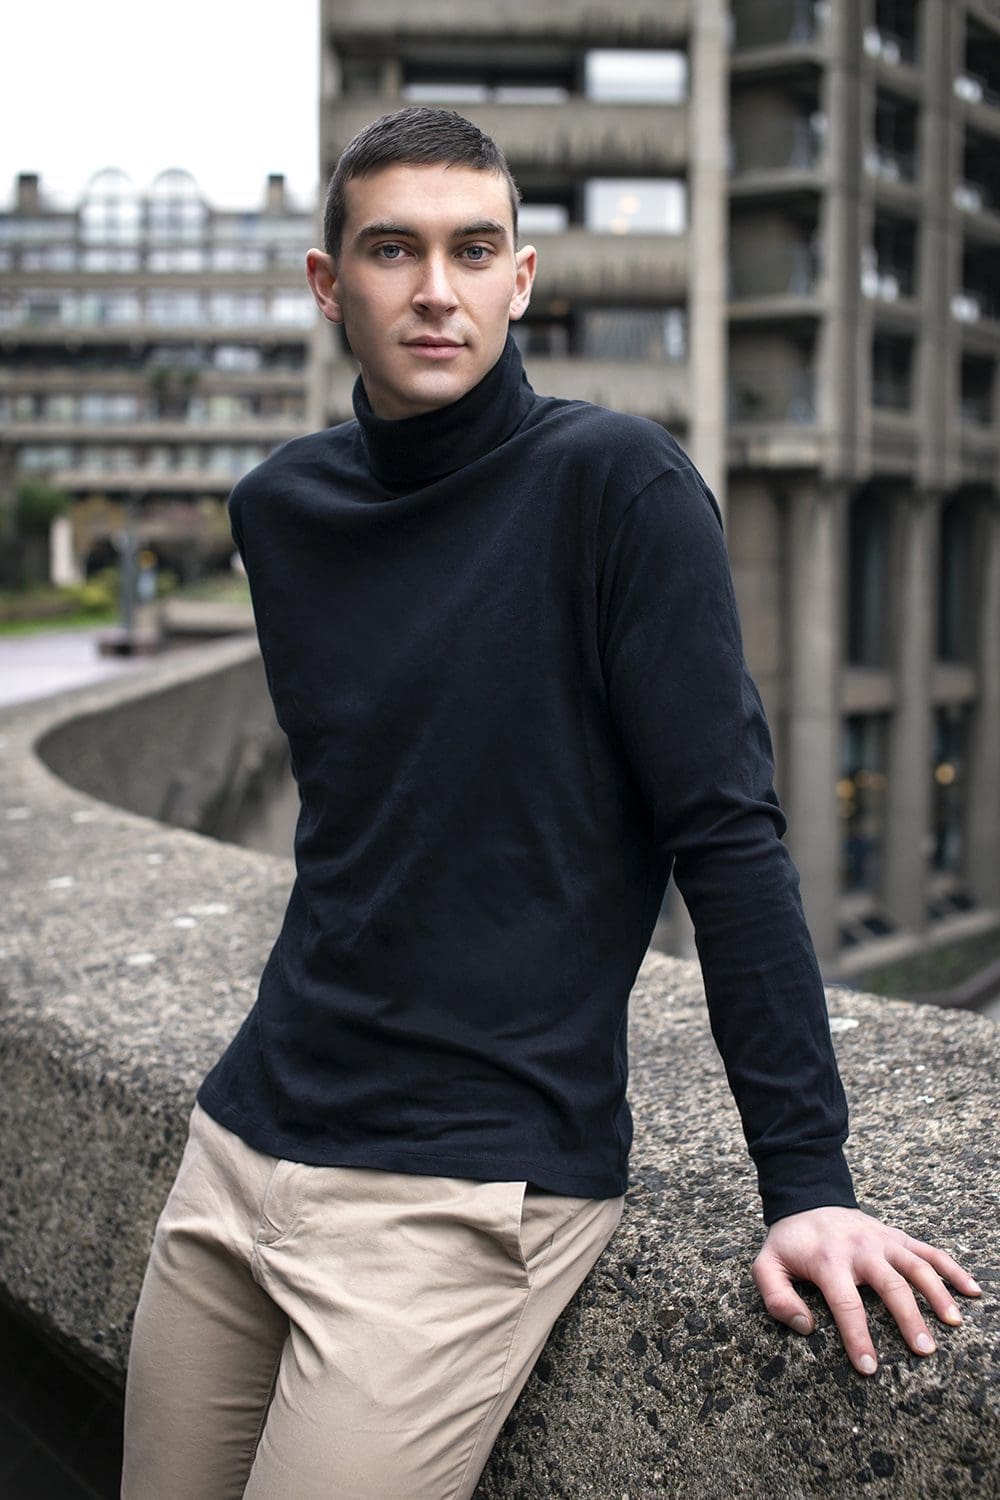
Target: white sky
x,y
225,88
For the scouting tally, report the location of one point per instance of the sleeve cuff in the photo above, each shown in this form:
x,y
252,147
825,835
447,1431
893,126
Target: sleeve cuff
x,y
790,1182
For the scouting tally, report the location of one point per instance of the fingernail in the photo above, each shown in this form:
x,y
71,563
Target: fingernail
x,y
801,1323
867,1365
952,1314
925,1343
974,1285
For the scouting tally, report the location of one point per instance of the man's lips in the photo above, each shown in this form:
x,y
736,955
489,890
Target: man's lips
x,y
434,348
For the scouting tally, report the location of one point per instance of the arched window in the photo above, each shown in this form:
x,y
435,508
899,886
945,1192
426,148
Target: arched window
x,y
177,210
111,213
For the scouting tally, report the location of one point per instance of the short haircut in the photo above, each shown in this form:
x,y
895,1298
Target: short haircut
x,y
418,136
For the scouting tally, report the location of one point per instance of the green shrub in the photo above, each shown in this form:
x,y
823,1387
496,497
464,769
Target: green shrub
x,y
38,504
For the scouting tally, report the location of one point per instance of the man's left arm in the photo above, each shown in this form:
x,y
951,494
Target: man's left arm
x,y
695,733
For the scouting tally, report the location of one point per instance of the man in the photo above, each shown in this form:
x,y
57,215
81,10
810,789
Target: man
x,y
500,633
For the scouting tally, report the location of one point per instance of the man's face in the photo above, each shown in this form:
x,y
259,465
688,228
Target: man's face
x,y
425,283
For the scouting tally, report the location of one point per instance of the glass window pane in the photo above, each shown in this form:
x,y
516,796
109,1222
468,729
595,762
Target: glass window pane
x,y
646,77
630,205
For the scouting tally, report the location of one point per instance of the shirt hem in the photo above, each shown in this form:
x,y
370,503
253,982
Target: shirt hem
x,y
488,1167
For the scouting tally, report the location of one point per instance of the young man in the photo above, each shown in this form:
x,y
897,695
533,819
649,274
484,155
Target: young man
x,y
500,633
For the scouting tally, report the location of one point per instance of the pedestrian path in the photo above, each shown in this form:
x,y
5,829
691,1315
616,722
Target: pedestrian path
x,y
52,661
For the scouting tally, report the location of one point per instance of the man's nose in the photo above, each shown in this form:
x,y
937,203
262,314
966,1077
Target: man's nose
x,y
434,288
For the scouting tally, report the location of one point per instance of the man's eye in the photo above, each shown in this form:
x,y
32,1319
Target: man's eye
x,y
389,252
477,253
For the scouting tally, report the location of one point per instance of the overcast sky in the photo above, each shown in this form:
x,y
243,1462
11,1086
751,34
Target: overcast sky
x,y
226,88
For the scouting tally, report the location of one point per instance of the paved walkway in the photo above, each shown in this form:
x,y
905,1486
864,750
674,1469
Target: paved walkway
x,y
35,666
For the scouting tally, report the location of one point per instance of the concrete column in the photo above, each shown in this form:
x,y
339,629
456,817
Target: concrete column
x,y
844,339
708,212
939,251
64,566
909,809
983,810
815,522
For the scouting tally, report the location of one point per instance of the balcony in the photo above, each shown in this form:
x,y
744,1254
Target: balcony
x,y
584,264
158,430
759,24
768,393
785,276
647,23
768,144
657,391
629,140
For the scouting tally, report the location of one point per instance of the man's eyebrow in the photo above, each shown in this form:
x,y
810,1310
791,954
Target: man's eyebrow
x,y
384,226
387,226
480,226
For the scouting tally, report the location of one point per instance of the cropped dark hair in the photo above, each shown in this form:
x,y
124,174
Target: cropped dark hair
x,y
418,136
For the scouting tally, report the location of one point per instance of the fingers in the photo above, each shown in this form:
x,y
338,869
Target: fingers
x,y
944,1265
894,1288
844,1301
780,1297
927,1282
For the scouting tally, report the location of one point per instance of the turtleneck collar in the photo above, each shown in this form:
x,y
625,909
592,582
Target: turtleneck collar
x,y
413,451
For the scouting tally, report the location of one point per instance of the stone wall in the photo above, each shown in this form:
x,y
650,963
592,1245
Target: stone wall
x,y
130,952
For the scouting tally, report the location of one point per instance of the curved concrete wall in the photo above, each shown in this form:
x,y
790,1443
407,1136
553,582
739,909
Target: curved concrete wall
x,y
132,950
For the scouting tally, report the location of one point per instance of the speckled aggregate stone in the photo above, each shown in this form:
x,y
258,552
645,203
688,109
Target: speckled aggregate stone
x,y
130,951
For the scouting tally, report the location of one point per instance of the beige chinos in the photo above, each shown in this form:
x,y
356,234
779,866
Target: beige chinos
x,y
339,1333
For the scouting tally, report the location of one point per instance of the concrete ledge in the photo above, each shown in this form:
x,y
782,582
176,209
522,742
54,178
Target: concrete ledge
x,y
130,952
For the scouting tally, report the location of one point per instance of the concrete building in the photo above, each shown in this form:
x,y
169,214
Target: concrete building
x,y
772,225
152,347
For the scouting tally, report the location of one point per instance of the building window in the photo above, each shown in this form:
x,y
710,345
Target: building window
x,y
892,372
619,76
954,642
541,218
889,264
239,358
861,799
635,205
173,309
461,75
296,308
867,580
230,308
646,334
976,390
979,81
951,738
177,211
111,213
894,35
892,155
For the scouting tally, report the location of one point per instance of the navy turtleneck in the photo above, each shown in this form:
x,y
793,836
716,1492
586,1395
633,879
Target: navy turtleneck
x,y
502,640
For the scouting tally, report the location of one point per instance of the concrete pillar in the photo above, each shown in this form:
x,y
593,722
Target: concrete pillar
x,y
939,251
708,212
63,564
844,338
909,804
983,808
815,523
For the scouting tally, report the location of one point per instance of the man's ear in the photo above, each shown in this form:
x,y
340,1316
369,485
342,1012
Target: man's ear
x,y
526,261
321,274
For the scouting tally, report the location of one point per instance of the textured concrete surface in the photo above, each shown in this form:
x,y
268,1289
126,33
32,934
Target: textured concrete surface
x,y
131,950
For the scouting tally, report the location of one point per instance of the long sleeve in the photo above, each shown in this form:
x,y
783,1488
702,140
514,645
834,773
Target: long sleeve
x,y
697,742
